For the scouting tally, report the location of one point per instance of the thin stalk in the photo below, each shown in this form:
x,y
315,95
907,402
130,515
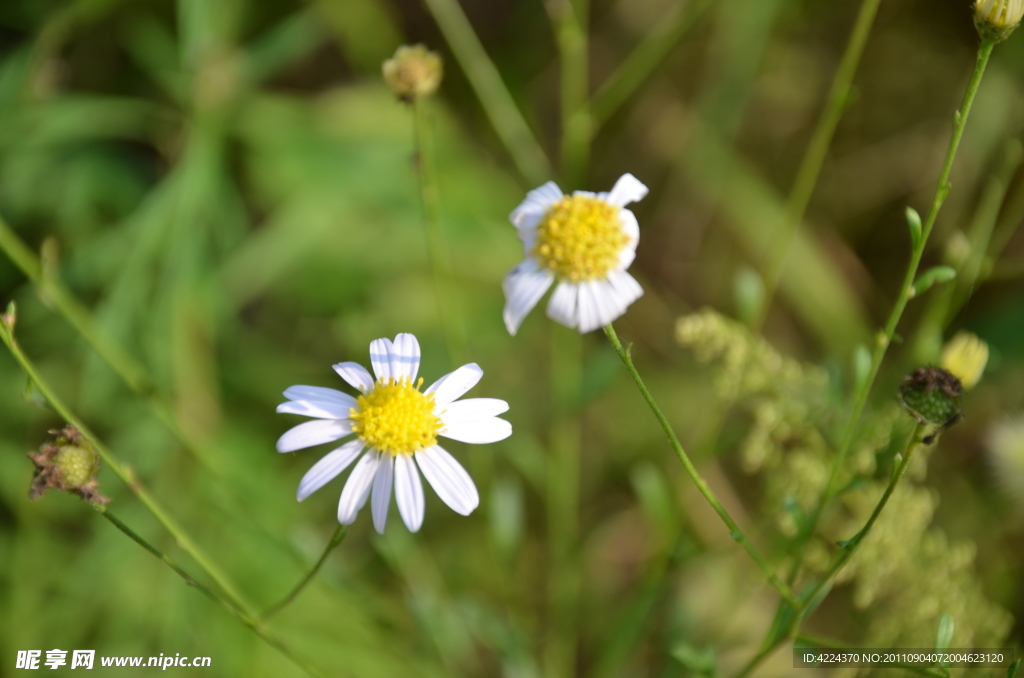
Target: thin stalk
x,y
642,61
120,470
224,602
337,538
562,498
850,548
130,371
906,291
570,20
498,104
814,156
734,530
440,263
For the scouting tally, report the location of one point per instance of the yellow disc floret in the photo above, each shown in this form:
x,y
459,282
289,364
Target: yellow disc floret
x,y
580,238
395,417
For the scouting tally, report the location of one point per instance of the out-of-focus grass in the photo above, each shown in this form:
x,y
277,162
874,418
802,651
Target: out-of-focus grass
x,y
231,191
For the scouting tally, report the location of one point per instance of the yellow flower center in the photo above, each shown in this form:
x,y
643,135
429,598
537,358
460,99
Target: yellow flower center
x,y
580,238
396,418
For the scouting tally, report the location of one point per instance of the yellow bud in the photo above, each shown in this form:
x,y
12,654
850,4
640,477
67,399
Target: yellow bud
x,y
965,356
413,72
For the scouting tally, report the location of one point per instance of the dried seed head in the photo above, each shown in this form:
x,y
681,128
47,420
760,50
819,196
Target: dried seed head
x,y
996,19
413,72
68,463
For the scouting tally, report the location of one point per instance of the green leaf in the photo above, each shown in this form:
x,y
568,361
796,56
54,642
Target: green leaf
x,y
938,274
944,635
861,367
914,222
748,292
1012,670
699,661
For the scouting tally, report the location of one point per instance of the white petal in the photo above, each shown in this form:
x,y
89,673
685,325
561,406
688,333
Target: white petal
x,y
405,357
589,312
357,488
472,409
528,236
382,491
626,286
451,482
626,190
356,375
626,256
408,492
609,303
453,385
479,432
380,358
524,285
562,305
321,409
313,433
328,468
315,393
630,227
535,205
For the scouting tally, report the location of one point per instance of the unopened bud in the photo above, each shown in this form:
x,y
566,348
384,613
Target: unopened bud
x,y
413,72
996,19
965,356
69,463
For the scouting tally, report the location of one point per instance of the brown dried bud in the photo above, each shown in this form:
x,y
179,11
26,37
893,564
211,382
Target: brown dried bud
x,y
69,463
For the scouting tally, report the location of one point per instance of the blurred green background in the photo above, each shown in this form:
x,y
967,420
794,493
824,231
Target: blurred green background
x,y
229,187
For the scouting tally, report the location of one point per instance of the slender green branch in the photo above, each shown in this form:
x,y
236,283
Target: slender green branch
x,y
232,608
702,486
440,263
906,291
570,23
637,67
508,122
850,547
120,470
814,156
337,538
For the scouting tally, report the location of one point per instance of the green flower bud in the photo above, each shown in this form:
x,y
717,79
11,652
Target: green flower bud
x,y
69,463
933,396
413,72
996,19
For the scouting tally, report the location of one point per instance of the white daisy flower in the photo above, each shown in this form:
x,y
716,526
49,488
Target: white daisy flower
x,y
397,427
586,242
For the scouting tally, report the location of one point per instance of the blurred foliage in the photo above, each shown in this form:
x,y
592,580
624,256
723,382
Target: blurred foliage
x,y
229,187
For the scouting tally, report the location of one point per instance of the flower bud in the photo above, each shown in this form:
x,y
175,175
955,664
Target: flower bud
x,y
933,396
965,355
996,19
69,463
413,72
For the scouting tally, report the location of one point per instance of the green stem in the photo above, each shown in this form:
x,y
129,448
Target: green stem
x,y
851,546
120,470
508,122
570,19
814,156
337,538
562,498
906,291
637,67
440,264
734,530
232,608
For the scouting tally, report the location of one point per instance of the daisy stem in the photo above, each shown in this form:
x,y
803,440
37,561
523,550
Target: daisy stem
x,y
229,605
814,157
337,538
495,98
438,253
122,471
884,338
734,530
